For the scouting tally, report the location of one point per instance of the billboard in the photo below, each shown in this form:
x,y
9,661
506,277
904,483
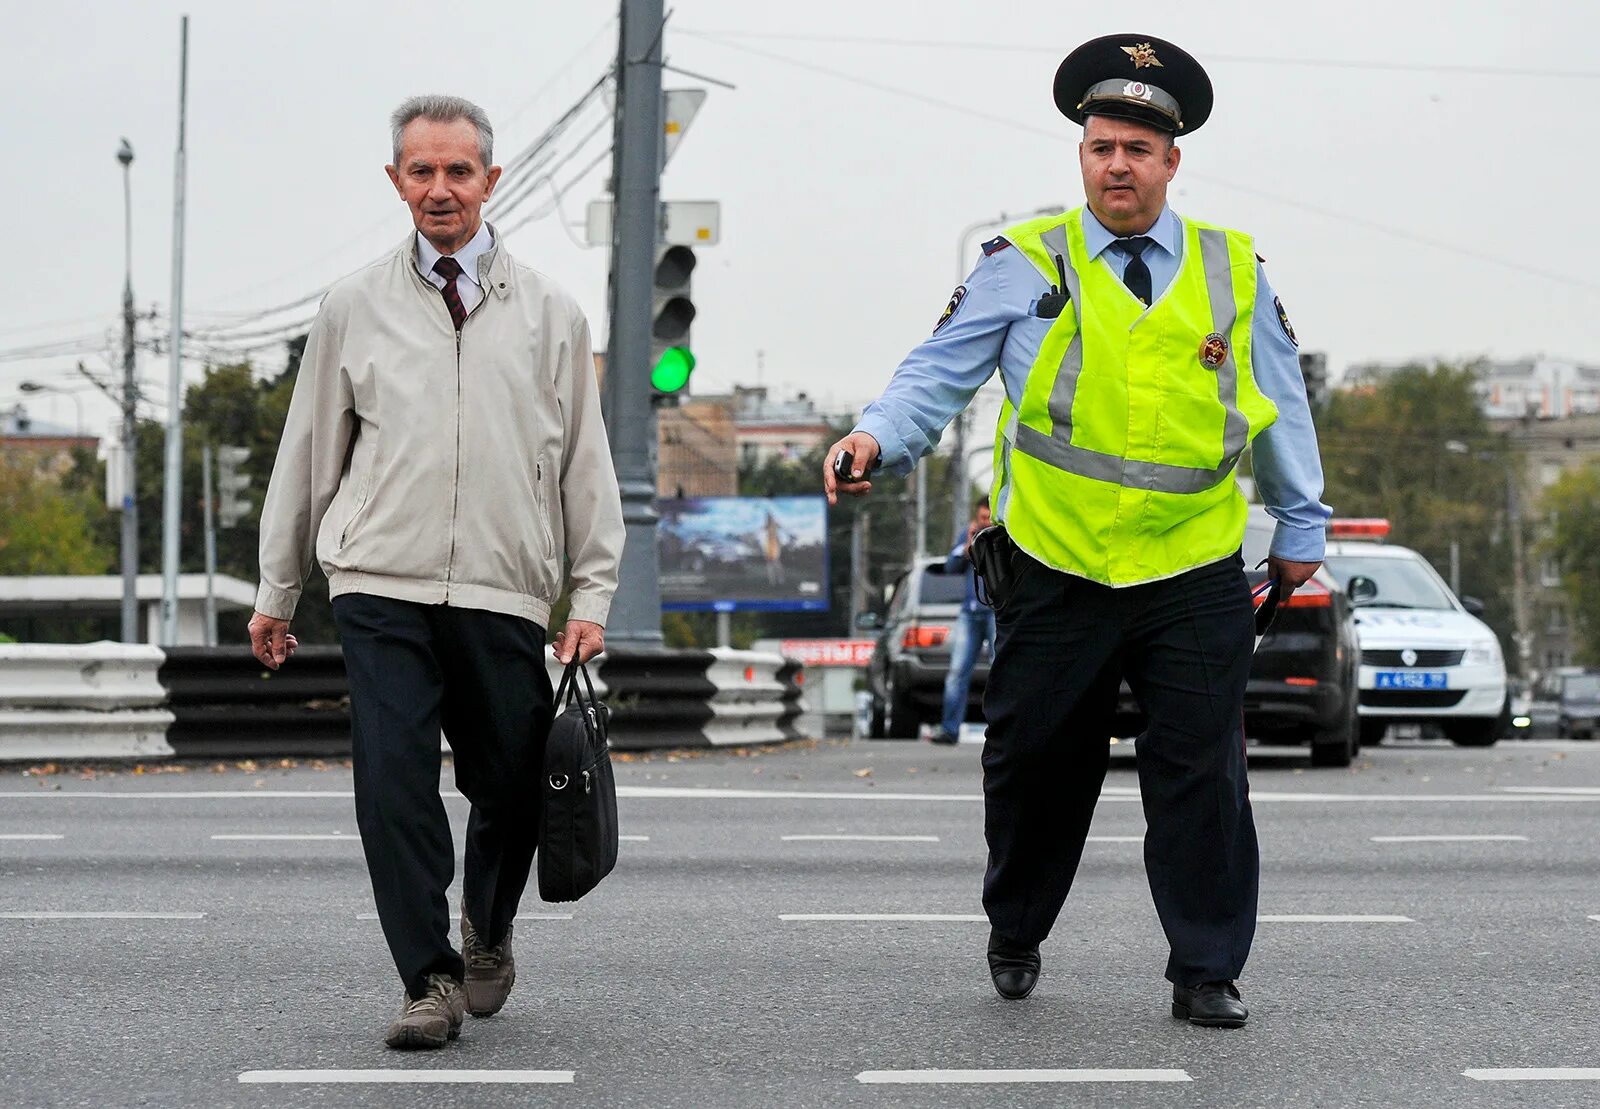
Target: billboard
x,y
727,554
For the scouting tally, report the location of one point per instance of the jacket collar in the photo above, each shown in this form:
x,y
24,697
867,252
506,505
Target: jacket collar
x,y
494,264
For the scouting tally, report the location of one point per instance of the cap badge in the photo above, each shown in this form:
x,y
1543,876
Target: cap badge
x,y
1143,54
1214,350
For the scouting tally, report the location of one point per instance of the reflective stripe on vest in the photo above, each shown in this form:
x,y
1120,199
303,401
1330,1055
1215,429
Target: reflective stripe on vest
x,y
1057,448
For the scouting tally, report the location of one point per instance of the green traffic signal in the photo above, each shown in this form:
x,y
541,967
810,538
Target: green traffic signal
x,y
672,370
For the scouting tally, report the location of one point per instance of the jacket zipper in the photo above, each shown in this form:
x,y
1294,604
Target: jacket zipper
x,y
455,487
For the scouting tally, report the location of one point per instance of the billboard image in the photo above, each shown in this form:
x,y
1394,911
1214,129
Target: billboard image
x,y
726,554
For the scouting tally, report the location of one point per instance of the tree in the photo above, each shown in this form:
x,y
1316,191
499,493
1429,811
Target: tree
x,y
1415,448
48,528
1574,503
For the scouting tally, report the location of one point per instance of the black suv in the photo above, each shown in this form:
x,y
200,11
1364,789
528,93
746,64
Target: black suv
x,y
912,655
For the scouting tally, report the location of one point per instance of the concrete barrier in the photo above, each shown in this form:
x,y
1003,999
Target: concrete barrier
x,y
81,701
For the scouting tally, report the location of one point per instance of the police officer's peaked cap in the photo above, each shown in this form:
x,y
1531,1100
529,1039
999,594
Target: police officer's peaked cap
x,y
1134,77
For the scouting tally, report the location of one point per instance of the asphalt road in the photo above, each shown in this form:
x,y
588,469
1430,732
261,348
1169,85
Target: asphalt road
x,y
680,982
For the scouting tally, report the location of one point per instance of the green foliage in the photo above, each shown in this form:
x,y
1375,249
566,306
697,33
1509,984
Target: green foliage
x,y
1574,504
1415,448
48,527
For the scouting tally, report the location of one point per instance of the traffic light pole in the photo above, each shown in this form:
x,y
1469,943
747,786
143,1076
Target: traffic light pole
x,y
635,618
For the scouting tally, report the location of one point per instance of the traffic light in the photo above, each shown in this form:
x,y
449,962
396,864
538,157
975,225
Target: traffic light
x,y
672,311
231,508
1314,368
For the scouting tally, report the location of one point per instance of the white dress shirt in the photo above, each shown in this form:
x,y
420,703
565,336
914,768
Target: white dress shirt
x,y
467,284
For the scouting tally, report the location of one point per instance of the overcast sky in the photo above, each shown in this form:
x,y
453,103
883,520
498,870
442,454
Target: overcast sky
x,y
1418,175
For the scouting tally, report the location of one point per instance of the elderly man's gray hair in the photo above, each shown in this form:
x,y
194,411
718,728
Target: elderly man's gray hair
x,y
444,109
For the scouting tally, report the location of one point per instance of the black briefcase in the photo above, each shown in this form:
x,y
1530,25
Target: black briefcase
x,y
578,833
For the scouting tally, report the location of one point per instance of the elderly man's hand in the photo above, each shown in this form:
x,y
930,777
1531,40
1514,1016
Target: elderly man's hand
x,y
270,640
581,637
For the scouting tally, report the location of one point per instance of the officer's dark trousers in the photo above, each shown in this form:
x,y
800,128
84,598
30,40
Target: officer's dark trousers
x,y
480,675
1184,645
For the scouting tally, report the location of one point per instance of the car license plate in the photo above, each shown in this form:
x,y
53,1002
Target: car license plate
x,y
1412,679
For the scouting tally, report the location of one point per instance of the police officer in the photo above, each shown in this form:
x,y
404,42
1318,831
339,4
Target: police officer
x,y
1141,353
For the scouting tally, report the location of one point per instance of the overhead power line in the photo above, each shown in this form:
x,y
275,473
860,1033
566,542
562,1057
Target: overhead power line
x,y
1343,215
1407,66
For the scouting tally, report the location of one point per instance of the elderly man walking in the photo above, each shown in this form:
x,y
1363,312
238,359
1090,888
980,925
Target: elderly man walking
x,y
443,456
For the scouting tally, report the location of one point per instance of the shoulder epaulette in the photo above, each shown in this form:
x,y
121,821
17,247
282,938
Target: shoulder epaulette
x,y
995,245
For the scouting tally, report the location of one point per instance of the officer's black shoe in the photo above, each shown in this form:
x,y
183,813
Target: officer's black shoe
x,y
1210,1004
1014,969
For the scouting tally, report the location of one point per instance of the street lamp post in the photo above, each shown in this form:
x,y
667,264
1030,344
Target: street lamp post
x,y
38,387
958,478
130,392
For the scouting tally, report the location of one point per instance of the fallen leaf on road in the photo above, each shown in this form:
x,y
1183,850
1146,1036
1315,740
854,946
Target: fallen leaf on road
x,y
864,772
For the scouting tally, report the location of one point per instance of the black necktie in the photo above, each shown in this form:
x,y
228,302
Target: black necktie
x,y
1137,276
449,269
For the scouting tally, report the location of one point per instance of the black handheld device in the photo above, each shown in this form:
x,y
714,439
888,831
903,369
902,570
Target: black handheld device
x,y
842,465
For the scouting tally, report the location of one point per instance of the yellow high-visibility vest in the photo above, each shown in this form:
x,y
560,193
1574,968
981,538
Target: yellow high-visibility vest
x,y
1118,465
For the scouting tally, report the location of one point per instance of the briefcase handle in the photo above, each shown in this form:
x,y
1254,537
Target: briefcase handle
x,y
568,686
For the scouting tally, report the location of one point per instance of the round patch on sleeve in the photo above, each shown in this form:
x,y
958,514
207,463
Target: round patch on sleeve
x,y
1283,322
952,308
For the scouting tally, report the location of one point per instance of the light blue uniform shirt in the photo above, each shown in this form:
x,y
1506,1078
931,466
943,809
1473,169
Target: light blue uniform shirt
x,y
994,325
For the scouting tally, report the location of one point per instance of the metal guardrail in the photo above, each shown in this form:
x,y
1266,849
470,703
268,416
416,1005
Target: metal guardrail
x,y
81,701
109,701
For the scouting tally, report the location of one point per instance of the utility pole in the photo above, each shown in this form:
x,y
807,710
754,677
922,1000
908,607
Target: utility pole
x,y
211,546
130,397
630,417
172,493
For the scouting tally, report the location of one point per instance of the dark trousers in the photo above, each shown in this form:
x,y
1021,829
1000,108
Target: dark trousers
x,y
480,676
1184,645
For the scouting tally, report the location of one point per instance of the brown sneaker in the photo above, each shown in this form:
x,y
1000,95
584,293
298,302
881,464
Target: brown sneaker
x,y
432,1020
491,971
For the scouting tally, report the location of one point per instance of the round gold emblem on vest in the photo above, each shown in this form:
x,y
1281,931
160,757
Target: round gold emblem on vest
x,y
1214,350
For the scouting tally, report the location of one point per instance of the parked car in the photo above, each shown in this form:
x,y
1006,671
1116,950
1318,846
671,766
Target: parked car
x,y
912,655
1303,680
1426,658
1577,701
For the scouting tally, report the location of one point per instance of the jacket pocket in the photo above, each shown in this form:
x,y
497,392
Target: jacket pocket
x,y
547,534
361,503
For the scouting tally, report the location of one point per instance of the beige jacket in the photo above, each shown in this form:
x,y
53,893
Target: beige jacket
x,y
444,469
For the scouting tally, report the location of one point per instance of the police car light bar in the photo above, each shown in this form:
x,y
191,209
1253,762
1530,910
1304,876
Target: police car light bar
x,y
1359,528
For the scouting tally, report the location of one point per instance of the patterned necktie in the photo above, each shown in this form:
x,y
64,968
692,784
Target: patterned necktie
x,y
450,269
1137,276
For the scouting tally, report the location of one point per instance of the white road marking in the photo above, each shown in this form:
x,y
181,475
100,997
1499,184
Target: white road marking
x,y
519,916
290,836
1576,791
963,918
1333,918
1115,839
102,916
1534,1074
1574,795
968,1077
1595,916
29,835
497,1077
634,839
859,839
1449,839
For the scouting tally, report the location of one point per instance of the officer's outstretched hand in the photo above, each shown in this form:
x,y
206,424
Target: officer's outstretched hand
x,y
864,451
1291,575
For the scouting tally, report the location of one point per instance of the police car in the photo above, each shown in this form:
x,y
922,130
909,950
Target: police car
x,y
1426,658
